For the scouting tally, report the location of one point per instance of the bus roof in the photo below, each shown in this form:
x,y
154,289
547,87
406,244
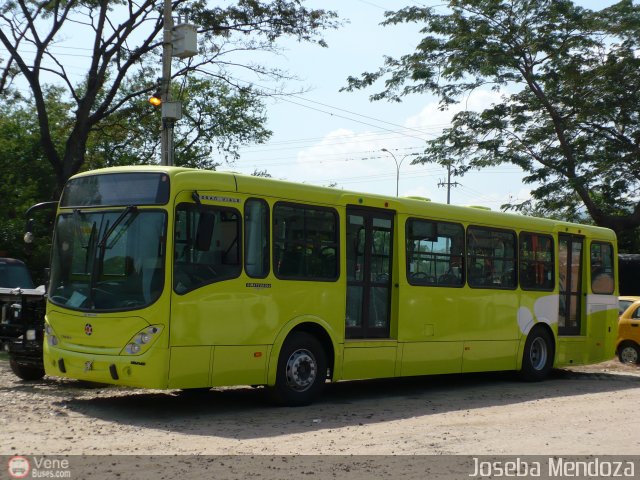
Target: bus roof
x,y
203,180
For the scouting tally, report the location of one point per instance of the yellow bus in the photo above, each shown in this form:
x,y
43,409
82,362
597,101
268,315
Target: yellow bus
x,y
173,278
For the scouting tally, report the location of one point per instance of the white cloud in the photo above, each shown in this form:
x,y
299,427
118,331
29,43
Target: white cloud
x,y
432,119
354,160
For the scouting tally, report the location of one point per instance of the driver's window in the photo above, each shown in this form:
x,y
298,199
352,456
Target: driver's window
x,y
206,246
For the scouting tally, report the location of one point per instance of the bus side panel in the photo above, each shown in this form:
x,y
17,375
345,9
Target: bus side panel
x,y
485,320
571,351
603,326
243,365
597,346
487,356
189,367
428,314
225,313
361,361
426,358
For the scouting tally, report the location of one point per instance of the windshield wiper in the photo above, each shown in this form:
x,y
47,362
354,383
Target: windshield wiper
x,y
118,221
90,254
97,266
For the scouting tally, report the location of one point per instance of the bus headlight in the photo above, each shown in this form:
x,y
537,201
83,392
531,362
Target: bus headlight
x,y
31,335
142,340
50,335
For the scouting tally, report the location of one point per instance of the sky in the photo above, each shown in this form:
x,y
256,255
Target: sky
x,y
325,137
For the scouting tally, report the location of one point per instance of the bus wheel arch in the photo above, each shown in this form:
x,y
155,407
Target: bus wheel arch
x,y
538,353
302,364
323,337
313,326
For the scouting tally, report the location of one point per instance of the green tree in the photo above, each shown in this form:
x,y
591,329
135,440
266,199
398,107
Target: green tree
x,y
217,118
26,177
569,80
123,39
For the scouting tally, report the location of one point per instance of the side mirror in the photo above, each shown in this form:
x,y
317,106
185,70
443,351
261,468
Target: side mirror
x,y
28,236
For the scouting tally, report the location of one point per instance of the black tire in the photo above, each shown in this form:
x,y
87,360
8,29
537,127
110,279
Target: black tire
x,y
629,353
302,371
537,359
26,372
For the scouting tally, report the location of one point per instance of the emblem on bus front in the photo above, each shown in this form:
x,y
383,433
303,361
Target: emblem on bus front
x,y
88,366
88,329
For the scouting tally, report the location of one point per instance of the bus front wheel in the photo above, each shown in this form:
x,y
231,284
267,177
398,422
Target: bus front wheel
x,y
537,360
302,370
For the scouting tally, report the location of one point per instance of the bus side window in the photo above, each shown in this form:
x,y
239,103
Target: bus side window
x,y
602,278
305,242
256,238
206,246
435,253
491,258
536,261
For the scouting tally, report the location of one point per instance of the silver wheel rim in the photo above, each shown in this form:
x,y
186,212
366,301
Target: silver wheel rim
x,y
629,355
538,353
302,370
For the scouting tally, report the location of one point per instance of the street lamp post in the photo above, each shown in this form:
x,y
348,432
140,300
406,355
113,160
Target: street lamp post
x,y
398,165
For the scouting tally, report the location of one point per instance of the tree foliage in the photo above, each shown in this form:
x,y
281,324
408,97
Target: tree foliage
x,y
217,119
569,80
26,178
123,47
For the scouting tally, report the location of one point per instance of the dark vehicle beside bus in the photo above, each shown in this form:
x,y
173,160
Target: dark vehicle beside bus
x,y
22,309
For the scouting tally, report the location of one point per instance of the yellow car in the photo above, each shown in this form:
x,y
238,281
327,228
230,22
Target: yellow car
x,y
628,343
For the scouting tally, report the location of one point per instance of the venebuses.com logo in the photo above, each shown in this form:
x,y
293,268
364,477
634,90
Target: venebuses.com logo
x,y
19,467
38,467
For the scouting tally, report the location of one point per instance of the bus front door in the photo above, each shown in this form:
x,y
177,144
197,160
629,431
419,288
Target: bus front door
x,y
369,262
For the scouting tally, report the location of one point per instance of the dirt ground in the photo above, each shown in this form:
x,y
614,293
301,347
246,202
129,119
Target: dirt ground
x,y
582,410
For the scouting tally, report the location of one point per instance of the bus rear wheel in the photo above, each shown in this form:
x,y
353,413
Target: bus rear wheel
x,y
537,360
302,370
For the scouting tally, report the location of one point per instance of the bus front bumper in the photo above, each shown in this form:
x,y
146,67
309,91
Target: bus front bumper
x,y
148,370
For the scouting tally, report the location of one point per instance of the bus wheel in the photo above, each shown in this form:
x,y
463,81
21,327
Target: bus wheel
x,y
302,368
537,360
629,353
26,372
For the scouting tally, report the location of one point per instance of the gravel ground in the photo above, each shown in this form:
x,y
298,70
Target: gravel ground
x,y
583,410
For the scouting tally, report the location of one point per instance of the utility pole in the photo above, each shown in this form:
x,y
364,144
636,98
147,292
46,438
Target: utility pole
x,y
177,41
166,138
448,183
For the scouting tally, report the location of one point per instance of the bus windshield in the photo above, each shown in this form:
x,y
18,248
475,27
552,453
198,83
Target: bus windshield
x,y
108,260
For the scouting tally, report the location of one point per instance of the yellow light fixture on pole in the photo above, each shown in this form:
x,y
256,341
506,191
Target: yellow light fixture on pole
x,y
155,99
